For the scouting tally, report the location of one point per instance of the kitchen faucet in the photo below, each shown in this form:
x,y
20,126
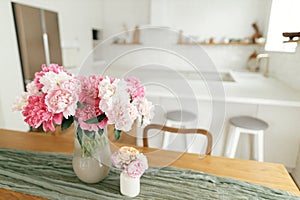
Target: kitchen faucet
x,y
267,57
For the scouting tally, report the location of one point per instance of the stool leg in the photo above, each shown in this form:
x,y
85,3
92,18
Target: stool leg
x,y
259,146
187,143
233,140
166,136
165,140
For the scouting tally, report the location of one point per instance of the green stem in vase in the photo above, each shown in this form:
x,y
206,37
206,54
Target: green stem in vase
x,y
90,141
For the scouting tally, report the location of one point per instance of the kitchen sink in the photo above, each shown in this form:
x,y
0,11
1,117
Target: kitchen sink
x,y
213,76
226,77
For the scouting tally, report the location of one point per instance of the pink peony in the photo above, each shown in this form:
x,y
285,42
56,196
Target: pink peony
x,y
62,101
130,160
135,88
89,88
71,85
36,113
141,157
136,168
87,112
116,160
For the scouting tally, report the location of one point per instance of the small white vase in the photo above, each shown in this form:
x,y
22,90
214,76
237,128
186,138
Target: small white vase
x,y
129,186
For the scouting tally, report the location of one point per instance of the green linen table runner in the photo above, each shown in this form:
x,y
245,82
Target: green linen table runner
x,y
50,175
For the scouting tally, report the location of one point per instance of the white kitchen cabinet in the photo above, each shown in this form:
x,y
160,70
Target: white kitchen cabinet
x,y
252,95
282,138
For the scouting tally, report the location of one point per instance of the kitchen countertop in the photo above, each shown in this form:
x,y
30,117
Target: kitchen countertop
x,y
257,89
251,88
248,87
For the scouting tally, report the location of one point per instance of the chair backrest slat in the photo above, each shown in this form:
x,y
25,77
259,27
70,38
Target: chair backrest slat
x,y
178,131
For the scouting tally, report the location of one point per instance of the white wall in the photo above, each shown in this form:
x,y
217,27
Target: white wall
x,y
198,17
10,70
129,12
286,67
214,18
76,20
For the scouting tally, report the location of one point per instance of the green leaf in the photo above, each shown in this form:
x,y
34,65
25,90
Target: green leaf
x,y
101,117
66,123
79,105
117,134
79,135
95,120
100,131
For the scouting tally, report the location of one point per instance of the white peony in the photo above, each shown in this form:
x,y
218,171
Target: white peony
x,y
32,89
52,80
106,88
20,102
145,110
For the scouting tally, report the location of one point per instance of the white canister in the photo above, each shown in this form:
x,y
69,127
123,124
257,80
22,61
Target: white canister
x,y
129,186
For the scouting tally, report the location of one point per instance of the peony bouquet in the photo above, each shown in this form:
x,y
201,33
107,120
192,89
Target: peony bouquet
x,y
131,161
56,97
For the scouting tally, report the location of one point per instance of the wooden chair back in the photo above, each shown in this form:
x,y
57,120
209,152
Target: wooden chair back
x,y
178,131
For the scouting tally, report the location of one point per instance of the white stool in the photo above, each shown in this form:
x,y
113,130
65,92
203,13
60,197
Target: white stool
x,y
248,125
178,119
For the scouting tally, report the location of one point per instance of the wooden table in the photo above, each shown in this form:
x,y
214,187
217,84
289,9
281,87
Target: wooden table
x,y
262,173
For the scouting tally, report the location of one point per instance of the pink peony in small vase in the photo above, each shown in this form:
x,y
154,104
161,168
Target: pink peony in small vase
x,y
133,165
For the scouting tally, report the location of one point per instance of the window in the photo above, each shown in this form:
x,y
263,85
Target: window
x,y
284,17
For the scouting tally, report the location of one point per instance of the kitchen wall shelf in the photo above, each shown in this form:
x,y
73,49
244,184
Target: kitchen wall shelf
x,y
204,44
288,41
124,44
224,44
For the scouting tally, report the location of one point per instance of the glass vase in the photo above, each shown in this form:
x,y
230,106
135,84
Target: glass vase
x,y
92,155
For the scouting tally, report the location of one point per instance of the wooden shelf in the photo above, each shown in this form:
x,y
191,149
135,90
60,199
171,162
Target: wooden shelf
x,y
200,43
288,41
224,44
124,44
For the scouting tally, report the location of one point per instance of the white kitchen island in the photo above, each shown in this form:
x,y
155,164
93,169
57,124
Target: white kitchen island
x,y
251,94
